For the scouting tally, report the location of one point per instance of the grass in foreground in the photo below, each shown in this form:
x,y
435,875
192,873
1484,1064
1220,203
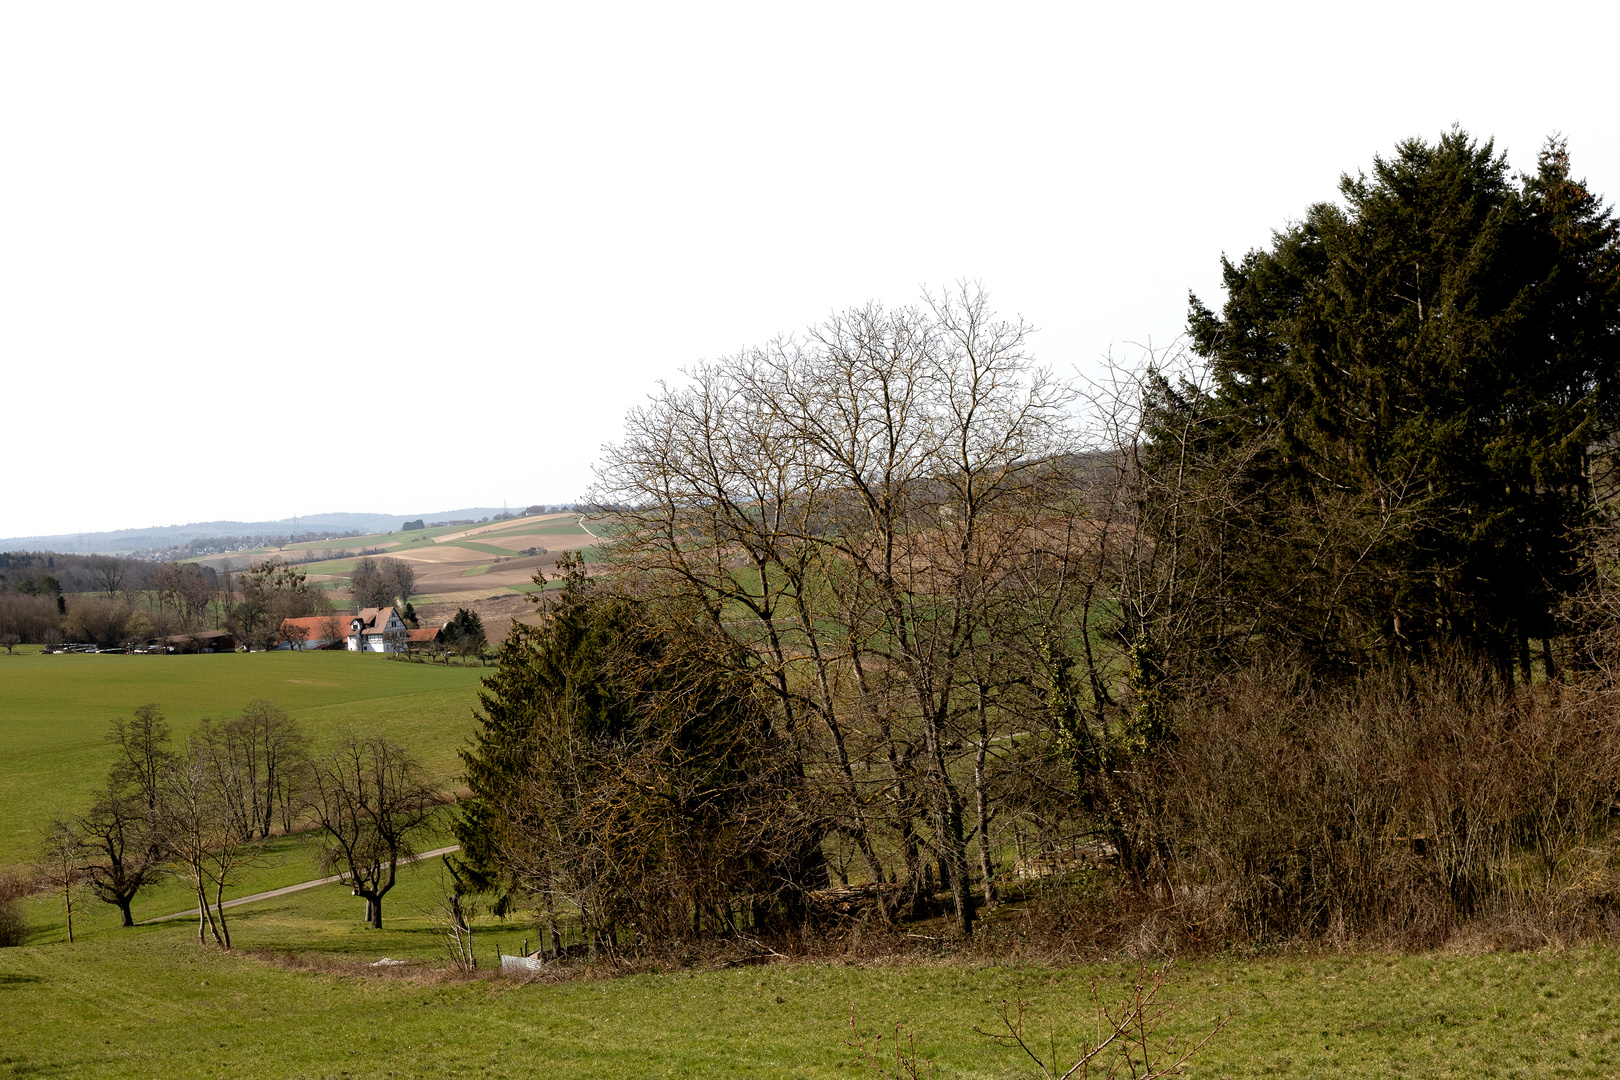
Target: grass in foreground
x,y
298,999
55,712
150,1002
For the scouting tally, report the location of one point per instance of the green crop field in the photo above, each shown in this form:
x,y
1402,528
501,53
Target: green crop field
x,y
482,548
55,712
331,566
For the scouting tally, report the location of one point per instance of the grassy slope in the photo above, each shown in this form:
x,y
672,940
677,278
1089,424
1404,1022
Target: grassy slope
x,y
55,712
151,1002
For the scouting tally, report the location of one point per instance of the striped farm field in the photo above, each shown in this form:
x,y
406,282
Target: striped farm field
x,y
480,566
487,549
465,596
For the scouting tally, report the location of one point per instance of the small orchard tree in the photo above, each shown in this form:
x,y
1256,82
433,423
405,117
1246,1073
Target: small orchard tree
x,y
61,862
373,799
201,833
123,847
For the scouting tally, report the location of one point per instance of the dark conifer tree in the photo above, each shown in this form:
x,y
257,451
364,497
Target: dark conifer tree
x,y
620,767
1439,353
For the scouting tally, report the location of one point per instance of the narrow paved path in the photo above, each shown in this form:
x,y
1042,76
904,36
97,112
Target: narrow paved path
x,y
300,887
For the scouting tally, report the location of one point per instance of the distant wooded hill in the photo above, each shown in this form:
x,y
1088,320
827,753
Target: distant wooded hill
x,y
120,541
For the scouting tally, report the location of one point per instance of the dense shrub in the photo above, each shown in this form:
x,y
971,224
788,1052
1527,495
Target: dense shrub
x,y
104,622
1400,806
13,913
13,923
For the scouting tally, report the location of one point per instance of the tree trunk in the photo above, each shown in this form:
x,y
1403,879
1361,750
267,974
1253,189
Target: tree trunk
x,y
956,861
207,917
982,802
124,914
947,815
219,906
916,885
551,925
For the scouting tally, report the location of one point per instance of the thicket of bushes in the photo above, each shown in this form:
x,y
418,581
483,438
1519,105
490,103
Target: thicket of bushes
x,y
1403,806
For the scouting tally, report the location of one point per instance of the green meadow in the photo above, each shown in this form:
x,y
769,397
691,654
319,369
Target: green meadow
x,y
55,712
298,998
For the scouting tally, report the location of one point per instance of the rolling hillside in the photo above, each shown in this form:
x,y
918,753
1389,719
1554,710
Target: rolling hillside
x,y
120,541
488,568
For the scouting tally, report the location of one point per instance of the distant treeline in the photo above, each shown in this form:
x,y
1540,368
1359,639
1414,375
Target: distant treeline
x,y
46,573
221,545
48,597
506,515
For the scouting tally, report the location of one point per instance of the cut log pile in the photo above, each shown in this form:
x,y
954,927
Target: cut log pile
x,y
855,901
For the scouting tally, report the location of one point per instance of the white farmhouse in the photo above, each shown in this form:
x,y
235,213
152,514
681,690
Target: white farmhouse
x,y
377,630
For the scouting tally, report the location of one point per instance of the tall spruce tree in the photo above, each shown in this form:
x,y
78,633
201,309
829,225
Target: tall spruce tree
x,y
623,769
1430,370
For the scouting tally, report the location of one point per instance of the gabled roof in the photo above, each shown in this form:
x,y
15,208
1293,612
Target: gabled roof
x,y
427,633
316,625
199,635
372,620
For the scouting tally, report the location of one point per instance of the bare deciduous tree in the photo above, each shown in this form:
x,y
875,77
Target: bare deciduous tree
x,y
60,864
403,575
850,508
123,847
203,827
189,589
259,760
373,799
144,755
377,582
110,573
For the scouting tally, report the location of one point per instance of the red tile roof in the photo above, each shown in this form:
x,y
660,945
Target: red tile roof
x,y
316,627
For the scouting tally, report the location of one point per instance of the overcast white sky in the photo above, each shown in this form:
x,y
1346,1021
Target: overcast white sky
x,y
301,257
